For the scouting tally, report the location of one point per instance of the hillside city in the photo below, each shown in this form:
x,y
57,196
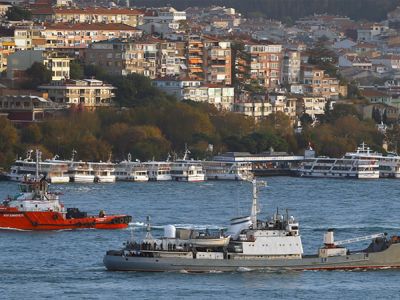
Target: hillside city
x,y
65,56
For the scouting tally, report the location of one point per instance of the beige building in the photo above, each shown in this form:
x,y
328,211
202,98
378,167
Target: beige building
x,y
222,97
61,35
147,56
311,105
131,17
317,83
90,93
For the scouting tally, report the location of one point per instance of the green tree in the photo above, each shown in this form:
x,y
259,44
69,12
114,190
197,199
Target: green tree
x,y
37,74
31,134
8,141
76,70
16,13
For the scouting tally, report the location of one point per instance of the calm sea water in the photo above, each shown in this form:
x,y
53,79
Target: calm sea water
x,y
68,264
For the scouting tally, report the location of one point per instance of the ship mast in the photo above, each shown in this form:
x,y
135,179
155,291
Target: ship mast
x,y
254,206
37,163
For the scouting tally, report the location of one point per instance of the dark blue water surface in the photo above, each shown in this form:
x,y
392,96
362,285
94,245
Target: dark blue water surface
x,y
68,264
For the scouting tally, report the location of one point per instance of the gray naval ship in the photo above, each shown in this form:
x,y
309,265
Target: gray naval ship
x,y
250,244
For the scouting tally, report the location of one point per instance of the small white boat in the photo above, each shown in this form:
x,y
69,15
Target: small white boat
x,y
187,170
158,170
129,170
225,170
103,172
209,242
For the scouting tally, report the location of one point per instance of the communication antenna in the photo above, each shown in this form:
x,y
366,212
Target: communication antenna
x,y
148,229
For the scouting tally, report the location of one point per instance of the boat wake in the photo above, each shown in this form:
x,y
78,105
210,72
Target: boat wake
x,y
244,269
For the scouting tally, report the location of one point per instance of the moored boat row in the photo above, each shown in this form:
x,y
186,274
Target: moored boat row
x,y
186,170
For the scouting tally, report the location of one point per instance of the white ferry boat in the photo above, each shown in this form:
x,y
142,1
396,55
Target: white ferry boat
x,y
223,170
78,171
389,166
187,170
158,170
81,172
129,170
54,172
103,171
349,166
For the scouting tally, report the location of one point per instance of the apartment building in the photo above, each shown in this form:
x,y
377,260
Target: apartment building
x,y
89,93
254,105
314,106
131,17
222,97
176,86
171,58
60,35
291,67
209,59
264,62
164,15
317,83
28,36
218,61
123,57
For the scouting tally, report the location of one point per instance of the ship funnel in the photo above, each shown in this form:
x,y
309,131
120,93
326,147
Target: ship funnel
x,y
170,231
328,237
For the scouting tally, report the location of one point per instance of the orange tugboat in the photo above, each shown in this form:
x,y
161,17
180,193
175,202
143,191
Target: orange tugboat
x,y
35,208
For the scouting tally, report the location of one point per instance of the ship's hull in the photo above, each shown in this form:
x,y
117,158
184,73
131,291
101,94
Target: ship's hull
x,y
389,258
82,178
338,175
160,178
59,179
105,179
47,220
228,177
194,178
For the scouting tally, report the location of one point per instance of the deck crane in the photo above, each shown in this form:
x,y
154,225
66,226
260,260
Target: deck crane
x,y
360,239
